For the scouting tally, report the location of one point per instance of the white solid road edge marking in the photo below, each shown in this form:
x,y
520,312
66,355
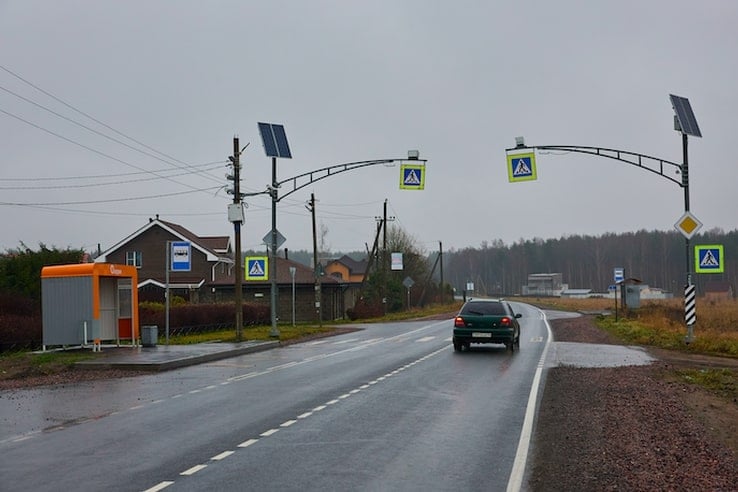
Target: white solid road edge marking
x,y
518,470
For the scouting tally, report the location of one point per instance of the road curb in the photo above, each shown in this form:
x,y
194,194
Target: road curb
x,y
153,361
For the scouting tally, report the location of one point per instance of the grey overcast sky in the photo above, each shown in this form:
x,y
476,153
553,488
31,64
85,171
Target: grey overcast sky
x,y
352,81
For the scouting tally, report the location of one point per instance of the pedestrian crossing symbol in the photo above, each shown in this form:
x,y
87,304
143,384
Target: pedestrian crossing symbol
x,y
521,167
412,177
709,259
256,268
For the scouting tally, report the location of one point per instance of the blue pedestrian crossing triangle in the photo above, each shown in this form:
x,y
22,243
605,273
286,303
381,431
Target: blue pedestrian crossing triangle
x,y
521,167
257,270
411,178
709,260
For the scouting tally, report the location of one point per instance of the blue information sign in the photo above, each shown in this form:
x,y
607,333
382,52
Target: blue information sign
x,y
181,256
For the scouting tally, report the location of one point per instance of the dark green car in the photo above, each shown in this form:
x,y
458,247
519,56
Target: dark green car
x,y
486,321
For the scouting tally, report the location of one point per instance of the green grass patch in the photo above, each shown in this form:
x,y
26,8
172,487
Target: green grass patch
x,y
20,364
248,333
722,382
432,310
634,332
289,332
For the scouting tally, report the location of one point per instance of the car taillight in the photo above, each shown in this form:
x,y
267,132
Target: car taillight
x,y
505,321
459,322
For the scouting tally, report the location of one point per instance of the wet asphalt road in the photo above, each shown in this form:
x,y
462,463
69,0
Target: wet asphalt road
x,y
390,407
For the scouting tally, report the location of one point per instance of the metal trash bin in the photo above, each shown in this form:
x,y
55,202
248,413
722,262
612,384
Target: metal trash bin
x,y
149,335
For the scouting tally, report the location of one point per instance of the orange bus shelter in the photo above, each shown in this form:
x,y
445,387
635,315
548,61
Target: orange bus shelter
x,y
87,303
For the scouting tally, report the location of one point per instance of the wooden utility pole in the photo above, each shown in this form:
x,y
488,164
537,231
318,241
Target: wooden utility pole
x,y
440,256
238,273
318,305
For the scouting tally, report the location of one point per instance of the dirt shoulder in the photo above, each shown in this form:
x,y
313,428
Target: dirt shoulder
x,y
632,428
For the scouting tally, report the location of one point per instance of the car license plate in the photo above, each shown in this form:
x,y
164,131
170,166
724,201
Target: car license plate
x,y
478,334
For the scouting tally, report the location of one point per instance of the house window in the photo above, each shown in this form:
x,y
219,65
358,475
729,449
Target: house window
x,y
133,258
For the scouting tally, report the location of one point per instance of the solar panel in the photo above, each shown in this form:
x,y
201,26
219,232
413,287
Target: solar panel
x,y
281,138
685,116
275,140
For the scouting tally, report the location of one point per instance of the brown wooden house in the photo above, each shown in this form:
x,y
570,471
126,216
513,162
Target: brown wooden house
x,y
212,276
146,249
351,273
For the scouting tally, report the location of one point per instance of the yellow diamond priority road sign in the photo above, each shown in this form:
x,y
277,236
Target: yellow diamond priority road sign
x,y
688,225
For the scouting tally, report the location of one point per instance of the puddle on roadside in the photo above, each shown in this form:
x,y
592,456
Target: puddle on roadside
x,y
573,354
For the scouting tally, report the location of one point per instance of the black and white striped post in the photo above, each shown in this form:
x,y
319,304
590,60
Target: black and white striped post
x,y
690,310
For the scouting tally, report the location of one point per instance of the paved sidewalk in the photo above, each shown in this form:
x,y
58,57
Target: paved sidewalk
x,y
165,357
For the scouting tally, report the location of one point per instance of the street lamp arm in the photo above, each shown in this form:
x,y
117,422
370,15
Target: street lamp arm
x,y
302,180
646,162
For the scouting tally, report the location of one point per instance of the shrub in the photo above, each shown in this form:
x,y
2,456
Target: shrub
x,y
202,315
365,310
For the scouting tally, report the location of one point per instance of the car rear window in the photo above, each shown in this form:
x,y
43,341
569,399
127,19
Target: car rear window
x,y
478,308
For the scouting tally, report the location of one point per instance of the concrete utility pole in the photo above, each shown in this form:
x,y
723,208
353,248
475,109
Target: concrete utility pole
x,y
316,273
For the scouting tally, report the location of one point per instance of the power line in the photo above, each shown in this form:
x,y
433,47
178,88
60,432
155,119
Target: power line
x,y
86,115
112,200
119,214
86,147
148,154
86,185
119,175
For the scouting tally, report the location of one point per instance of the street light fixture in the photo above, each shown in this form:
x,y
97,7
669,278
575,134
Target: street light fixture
x,y
275,143
684,122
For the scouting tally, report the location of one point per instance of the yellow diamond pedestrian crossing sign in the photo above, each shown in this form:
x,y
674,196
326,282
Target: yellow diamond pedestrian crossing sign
x,y
521,167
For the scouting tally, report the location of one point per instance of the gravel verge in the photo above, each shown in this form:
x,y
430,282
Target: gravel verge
x,y
631,428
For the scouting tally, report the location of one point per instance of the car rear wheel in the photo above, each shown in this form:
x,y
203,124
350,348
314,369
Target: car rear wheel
x,y
457,346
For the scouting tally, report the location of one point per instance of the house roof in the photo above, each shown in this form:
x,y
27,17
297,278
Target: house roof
x,y
354,267
303,275
219,244
214,247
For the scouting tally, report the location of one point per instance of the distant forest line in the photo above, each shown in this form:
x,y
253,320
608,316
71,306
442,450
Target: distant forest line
x,y
657,258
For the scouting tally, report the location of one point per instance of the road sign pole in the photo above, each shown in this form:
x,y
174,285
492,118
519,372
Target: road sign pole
x,y
166,290
689,297
274,332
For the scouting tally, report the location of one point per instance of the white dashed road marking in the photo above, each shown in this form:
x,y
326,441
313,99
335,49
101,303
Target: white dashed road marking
x,y
193,470
288,423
